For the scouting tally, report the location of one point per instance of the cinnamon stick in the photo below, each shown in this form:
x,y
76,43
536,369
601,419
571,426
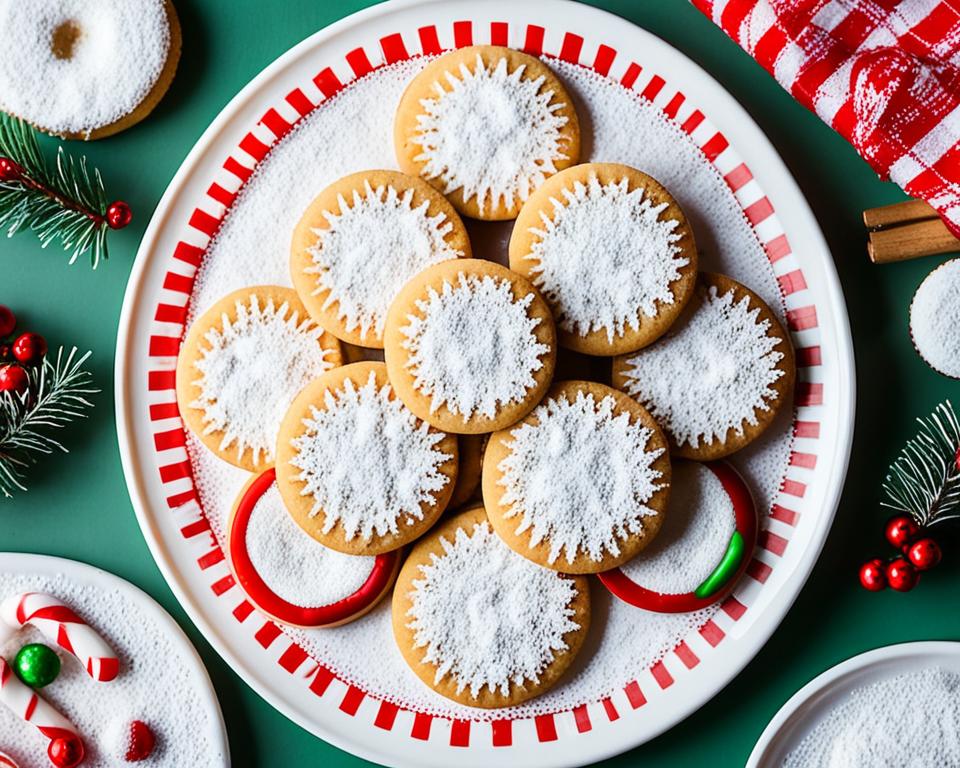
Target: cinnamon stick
x,y
925,237
898,213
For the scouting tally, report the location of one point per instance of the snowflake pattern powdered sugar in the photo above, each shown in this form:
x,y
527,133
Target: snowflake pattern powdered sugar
x,y
367,462
494,135
377,242
711,374
605,253
935,318
473,346
486,616
580,477
252,369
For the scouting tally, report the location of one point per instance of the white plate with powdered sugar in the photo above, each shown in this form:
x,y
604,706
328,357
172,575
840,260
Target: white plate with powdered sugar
x,y
325,109
838,720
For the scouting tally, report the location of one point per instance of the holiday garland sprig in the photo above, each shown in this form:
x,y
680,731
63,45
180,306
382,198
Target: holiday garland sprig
x,y
65,203
55,395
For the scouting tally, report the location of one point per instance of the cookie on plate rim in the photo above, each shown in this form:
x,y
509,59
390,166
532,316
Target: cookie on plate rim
x,y
264,332
538,619
445,360
719,376
581,484
360,240
488,166
348,452
612,253
292,578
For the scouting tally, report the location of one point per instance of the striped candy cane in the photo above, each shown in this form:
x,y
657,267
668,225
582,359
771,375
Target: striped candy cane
x,y
62,626
7,762
29,706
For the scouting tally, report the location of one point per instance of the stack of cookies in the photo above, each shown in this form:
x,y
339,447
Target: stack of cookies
x,y
369,466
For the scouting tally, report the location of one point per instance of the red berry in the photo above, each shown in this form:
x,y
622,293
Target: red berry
x,y
901,530
65,751
901,576
8,321
119,214
956,459
5,352
13,379
140,743
9,170
924,554
873,576
29,348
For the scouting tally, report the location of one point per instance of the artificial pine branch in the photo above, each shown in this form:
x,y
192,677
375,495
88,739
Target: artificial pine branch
x,y
66,203
56,395
924,481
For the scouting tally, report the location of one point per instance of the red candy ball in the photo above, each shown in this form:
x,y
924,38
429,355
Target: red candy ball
x,y
901,576
901,530
9,170
8,321
29,348
13,379
873,575
119,215
141,742
924,554
65,751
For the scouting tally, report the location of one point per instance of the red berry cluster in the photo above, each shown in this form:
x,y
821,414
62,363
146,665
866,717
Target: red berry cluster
x,y
17,353
902,573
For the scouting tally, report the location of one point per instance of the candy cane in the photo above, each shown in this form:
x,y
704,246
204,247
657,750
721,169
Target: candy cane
x,y
7,762
29,706
62,626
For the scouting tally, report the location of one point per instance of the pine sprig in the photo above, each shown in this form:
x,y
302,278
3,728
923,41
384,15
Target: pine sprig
x,y
56,395
65,203
924,481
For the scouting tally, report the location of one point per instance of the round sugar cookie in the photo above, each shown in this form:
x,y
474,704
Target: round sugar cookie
x,y
470,346
360,240
935,319
358,471
581,484
86,70
718,377
471,465
702,549
486,126
293,578
241,365
611,252
481,625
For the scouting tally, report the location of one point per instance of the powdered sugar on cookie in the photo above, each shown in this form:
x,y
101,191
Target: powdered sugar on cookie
x,y
935,318
375,245
252,369
367,462
487,617
472,348
293,565
495,134
605,257
580,477
712,374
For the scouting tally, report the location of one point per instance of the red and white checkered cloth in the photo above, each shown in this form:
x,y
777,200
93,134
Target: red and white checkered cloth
x,y
884,73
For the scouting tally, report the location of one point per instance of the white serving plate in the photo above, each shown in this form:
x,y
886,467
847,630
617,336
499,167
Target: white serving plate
x,y
159,473
45,566
816,699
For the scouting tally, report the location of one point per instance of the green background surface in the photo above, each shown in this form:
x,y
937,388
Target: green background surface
x,y
78,506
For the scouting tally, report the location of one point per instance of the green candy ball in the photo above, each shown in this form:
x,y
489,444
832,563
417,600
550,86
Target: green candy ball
x,y
37,665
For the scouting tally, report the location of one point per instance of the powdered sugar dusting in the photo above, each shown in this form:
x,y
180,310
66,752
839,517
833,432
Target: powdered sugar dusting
x,y
580,477
157,684
377,243
495,134
252,369
910,720
605,257
486,616
713,373
295,566
693,539
473,348
367,462
119,52
935,318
